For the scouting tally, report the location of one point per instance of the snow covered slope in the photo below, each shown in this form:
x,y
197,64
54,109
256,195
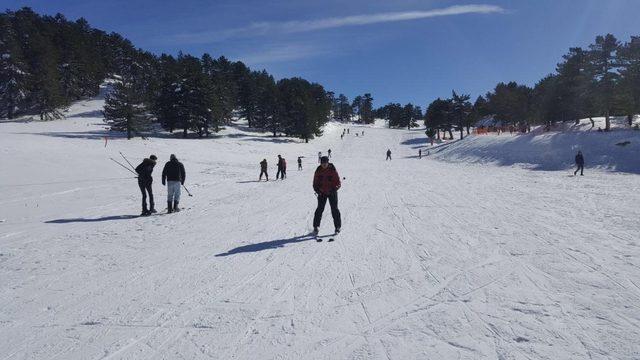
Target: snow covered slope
x,y
618,150
437,260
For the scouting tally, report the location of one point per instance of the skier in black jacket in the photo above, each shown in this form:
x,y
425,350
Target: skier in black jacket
x,y
579,163
145,181
174,174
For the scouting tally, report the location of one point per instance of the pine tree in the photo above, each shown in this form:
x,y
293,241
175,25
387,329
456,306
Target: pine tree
x,y
344,109
602,68
124,109
13,70
266,104
438,116
460,111
511,103
573,86
367,109
629,89
166,86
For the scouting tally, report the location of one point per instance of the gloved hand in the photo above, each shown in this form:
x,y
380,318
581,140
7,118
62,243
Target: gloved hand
x,y
163,183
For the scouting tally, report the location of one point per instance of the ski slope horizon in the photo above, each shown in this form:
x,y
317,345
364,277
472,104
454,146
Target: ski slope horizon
x,y
462,254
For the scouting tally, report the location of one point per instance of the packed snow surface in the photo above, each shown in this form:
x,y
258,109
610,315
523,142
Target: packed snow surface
x,y
437,259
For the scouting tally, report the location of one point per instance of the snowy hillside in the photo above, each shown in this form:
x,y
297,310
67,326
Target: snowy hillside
x,y
437,259
618,150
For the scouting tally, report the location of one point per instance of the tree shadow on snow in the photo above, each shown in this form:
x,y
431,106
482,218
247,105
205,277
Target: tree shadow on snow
x,y
105,218
274,244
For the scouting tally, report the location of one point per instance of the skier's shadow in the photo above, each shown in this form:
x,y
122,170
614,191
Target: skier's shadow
x,y
273,244
106,218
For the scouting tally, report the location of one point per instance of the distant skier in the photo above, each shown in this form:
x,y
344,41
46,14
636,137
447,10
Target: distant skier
x,y
145,182
326,183
299,162
388,154
319,156
420,154
329,152
263,169
280,173
362,132
579,163
173,175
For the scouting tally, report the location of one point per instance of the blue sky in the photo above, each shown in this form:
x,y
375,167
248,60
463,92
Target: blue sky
x,y
400,51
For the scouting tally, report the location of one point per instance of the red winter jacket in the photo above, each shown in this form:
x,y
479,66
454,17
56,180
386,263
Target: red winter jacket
x,y
326,180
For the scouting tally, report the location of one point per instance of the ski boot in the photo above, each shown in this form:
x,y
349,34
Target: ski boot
x,y
175,207
169,207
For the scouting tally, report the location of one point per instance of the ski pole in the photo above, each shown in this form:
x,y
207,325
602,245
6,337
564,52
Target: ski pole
x,y
119,163
185,189
125,159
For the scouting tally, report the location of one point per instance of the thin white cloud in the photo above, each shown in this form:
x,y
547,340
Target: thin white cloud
x,y
281,53
287,27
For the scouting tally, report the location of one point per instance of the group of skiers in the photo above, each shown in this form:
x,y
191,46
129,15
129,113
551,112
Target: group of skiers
x,y
282,168
173,176
326,183
346,132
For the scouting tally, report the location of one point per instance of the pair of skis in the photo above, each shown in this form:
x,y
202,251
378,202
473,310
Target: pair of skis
x,y
331,237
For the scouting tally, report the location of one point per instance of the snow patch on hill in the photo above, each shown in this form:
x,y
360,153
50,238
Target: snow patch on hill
x,y
618,150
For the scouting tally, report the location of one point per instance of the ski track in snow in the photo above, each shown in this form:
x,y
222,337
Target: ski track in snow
x,y
436,260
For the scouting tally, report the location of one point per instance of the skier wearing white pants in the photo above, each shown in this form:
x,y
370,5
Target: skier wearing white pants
x,y
173,193
173,175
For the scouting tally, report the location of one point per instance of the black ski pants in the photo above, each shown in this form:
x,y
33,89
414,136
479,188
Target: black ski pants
x,y
580,168
335,213
145,188
281,173
265,174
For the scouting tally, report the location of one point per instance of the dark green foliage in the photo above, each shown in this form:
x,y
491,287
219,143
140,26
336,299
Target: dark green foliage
x,y
628,99
461,111
510,103
342,110
13,70
303,108
602,68
47,62
124,109
438,116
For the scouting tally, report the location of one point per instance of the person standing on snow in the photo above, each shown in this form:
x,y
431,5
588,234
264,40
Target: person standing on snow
x,y
329,152
173,175
263,169
299,162
319,156
579,163
326,183
420,154
280,173
388,154
145,182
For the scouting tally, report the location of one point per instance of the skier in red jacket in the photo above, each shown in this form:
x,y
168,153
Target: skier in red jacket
x,y
326,183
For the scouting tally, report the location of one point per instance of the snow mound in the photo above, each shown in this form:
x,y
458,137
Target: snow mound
x,y
614,151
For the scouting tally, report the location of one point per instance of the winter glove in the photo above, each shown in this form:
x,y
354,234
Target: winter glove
x,y
163,183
